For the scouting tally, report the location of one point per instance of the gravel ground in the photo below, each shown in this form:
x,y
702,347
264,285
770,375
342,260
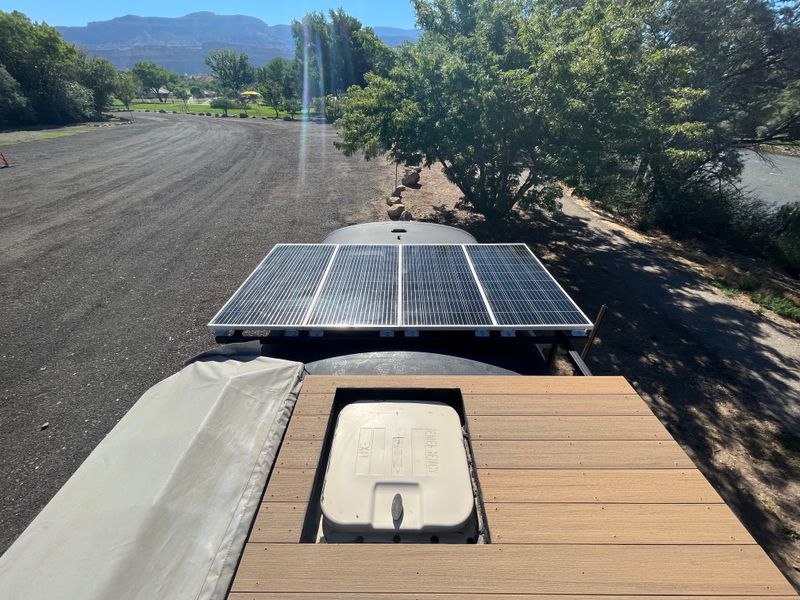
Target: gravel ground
x,y
116,248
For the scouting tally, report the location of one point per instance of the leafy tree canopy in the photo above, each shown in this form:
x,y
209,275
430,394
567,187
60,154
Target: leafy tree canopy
x,y
233,71
459,98
153,77
337,53
642,104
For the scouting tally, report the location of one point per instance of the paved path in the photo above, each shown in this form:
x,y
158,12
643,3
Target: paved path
x,y
116,248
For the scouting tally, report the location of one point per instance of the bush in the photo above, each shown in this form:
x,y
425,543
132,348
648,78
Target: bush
x,y
14,106
77,102
785,245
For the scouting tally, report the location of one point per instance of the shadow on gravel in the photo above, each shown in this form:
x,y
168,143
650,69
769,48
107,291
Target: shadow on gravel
x,y
703,365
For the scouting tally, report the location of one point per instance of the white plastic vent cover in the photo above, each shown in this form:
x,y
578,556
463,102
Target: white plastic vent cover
x,y
397,467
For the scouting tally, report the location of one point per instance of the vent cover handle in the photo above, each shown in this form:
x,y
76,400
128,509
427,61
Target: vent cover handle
x,y
397,508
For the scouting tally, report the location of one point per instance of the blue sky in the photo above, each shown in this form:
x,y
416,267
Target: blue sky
x,y
392,13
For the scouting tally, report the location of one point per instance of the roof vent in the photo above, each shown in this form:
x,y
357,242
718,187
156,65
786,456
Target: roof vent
x,y
398,471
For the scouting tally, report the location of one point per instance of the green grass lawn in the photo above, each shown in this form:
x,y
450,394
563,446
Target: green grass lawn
x,y
31,135
178,106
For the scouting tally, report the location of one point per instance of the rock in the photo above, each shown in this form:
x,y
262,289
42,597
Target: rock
x,y
399,190
418,169
395,211
392,200
44,426
162,111
216,114
406,216
411,178
287,118
208,114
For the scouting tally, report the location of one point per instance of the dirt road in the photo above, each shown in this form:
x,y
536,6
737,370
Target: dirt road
x,y
116,248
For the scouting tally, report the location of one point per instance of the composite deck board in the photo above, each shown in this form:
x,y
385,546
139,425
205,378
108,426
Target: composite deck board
x,y
278,522
417,596
505,568
289,485
584,454
525,427
299,454
516,404
587,497
528,523
625,486
571,427
310,427
561,523
474,384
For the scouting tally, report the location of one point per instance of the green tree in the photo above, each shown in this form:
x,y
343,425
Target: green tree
x,y
183,95
652,100
271,95
126,88
337,52
14,106
44,66
197,92
100,76
232,71
153,78
458,97
292,106
277,81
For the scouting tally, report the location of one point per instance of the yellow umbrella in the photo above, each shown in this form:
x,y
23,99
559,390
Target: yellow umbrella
x,y
250,94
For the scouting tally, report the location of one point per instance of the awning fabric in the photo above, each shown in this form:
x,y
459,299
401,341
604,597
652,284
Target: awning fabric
x,y
161,508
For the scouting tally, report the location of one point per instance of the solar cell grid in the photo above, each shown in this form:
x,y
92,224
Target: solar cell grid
x,y
360,289
439,289
520,290
319,286
280,289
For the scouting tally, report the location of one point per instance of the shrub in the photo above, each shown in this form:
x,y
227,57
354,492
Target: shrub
x,y
785,246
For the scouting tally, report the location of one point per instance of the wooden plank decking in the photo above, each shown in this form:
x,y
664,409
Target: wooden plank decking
x,y
586,495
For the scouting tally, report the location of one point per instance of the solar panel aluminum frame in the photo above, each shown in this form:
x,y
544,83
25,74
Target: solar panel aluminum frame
x,y
399,325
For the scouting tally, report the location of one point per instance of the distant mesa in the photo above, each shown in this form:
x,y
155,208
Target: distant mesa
x,y
181,44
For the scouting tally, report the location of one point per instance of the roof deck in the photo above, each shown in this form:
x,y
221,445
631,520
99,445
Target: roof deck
x,y
585,494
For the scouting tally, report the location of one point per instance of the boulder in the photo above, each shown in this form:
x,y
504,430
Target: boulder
x,y
216,114
287,118
162,111
208,114
396,211
406,216
399,190
392,200
411,178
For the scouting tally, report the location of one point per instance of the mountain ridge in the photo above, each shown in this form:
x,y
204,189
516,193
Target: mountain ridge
x,y
181,43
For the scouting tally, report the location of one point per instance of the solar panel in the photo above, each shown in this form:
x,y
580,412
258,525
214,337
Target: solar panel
x,y
520,290
437,286
360,289
280,290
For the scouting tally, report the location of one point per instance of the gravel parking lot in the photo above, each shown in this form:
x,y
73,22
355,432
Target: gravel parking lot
x,y
117,246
